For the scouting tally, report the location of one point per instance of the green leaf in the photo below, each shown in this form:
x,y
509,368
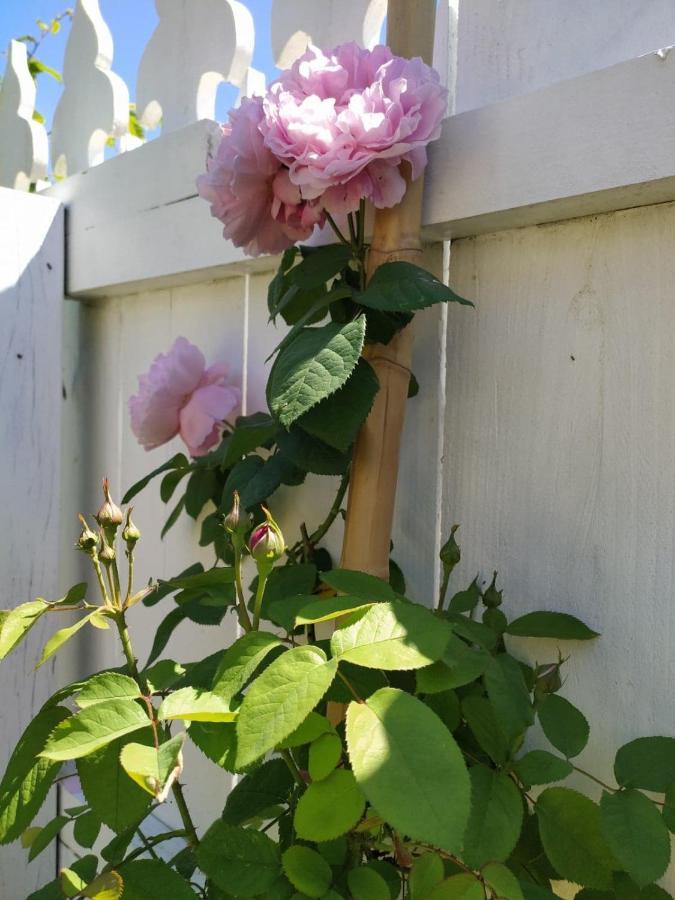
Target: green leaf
x,y
564,725
509,696
284,583
179,461
324,755
669,807
86,829
35,66
307,870
46,836
473,632
18,622
546,624
250,433
28,777
241,661
308,730
329,808
211,580
394,740
117,800
458,887
447,708
107,886
636,835
59,638
311,454
194,705
502,881
322,264
365,884
427,871
280,699
152,879
393,635
496,817
151,767
93,728
359,584
173,517
170,482
541,767
338,418
571,833
240,861
107,686
313,609
481,719
364,681
460,665
647,763
312,367
217,741
266,786
403,287
466,601
275,471
163,675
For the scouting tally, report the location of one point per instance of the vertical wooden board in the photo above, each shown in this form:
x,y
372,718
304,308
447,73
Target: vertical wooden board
x,y
416,533
560,439
510,48
31,294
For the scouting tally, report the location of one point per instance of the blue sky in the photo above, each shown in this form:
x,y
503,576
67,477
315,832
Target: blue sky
x,y
131,22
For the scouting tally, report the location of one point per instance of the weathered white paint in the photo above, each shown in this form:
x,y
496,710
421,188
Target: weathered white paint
x,y
197,45
297,23
31,292
510,48
560,439
95,101
25,148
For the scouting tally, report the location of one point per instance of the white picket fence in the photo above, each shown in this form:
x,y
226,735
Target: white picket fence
x,y
549,406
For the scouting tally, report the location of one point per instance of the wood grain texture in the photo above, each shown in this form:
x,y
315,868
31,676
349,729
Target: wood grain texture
x,y
560,440
31,294
510,48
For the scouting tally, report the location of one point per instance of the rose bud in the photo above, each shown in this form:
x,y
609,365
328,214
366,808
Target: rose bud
x,y
450,553
266,544
88,539
234,522
109,516
492,598
131,535
107,553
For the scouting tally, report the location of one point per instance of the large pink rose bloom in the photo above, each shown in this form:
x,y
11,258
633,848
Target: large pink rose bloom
x,y
249,189
178,394
344,120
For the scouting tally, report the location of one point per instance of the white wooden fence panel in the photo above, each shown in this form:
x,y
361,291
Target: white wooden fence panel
x,y
560,440
509,48
31,294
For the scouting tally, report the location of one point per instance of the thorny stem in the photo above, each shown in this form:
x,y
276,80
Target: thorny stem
x,y
147,844
177,788
332,515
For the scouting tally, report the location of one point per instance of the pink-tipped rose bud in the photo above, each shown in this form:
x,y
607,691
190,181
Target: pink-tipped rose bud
x,y
109,515
266,544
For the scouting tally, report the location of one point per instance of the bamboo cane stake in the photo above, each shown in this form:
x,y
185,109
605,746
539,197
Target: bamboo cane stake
x,y
396,236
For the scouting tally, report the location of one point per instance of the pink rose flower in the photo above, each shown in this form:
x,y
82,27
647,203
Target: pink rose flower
x,y
343,121
178,394
249,190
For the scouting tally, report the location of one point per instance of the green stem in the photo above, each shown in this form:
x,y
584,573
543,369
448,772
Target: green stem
x,y
607,787
444,589
147,844
288,759
130,577
350,687
242,612
101,582
177,788
333,512
333,225
353,232
259,594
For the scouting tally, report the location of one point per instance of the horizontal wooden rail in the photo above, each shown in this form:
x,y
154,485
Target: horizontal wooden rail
x,y
599,142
